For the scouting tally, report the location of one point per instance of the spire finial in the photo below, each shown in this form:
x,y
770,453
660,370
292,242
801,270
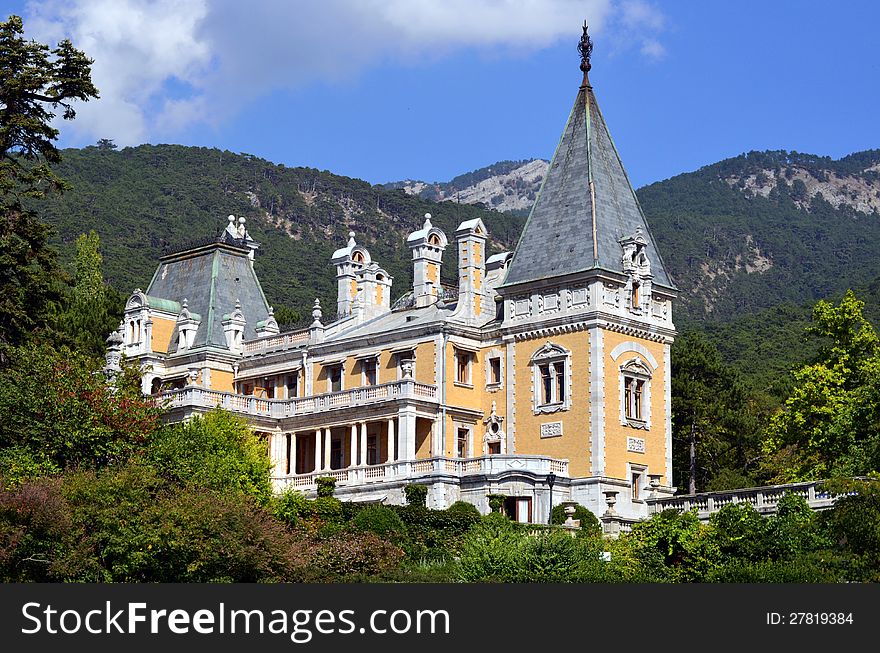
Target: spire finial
x,y
585,47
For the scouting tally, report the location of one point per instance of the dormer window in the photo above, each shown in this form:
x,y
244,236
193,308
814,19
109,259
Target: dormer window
x,y
635,295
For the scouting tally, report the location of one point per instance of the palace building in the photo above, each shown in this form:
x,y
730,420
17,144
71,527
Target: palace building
x,y
546,373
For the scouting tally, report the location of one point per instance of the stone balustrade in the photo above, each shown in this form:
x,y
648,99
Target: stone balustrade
x,y
278,342
193,396
764,499
414,469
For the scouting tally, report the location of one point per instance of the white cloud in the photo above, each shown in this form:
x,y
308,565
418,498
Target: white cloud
x,y
164,65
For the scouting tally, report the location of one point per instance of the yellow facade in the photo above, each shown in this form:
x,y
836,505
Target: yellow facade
x,y
616,454
163,335
574,443
222,381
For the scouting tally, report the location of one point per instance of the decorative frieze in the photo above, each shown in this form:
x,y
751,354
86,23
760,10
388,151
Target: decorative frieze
x,y
551,429
635,445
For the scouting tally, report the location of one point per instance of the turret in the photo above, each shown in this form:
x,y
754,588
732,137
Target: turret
x,y
427,245
474,300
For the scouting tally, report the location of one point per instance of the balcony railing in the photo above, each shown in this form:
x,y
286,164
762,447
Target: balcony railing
x,y
274,343
438,465
764,499
193,396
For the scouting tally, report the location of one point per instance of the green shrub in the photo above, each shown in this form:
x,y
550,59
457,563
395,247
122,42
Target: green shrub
x,y
496,502
416,494
801,570
465,510
20,464
343,555
589,521
551,556
216,452
328,509
741,532
687,548
291,506
326,486
794,530
382,521
490,550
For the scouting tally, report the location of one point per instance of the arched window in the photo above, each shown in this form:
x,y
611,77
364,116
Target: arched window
x,y
551,379
635,394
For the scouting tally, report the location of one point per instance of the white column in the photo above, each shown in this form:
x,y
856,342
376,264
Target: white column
x,y
363,443
292,453
352,459
391,452
318,450
406,419
326,448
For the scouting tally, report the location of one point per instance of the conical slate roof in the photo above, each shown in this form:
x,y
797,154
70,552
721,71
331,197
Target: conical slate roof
x,y
573,227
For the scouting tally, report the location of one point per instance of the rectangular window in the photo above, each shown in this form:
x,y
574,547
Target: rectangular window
x,y
552,383
270,389
636,477
370,368
495,371
336,454
372,450
462,443
288,442
635,295
633,397
463,367
334,378
292,385
494,448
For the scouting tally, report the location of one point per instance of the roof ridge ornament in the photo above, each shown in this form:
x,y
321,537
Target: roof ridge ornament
x,y
585,47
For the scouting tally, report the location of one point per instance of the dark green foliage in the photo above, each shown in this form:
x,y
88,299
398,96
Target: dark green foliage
x,y
126,525
464,509
217,452
416,494
688,551
801,570
326,486
496,502
343,556
142,199
853,526
20,464
327,509
712,415
382,521
290,506
589,521
489,551
35,82
741,532
57,404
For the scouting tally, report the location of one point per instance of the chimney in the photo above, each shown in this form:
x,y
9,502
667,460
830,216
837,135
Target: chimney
x,y
373,293
427,245
473,299
349,260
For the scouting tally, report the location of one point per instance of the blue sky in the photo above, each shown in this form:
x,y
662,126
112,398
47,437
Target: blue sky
x,y
427,89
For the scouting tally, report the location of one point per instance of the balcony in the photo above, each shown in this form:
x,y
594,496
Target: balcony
x,y
415,469
279,342
195,397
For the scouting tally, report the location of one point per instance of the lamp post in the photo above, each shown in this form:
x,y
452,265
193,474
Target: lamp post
x,y
551,479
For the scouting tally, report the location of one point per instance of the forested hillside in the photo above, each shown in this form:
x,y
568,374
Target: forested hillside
x,y
141,200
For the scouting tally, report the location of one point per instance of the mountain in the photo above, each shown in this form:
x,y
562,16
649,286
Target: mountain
x,y
142,200
504,186
741,236
767,228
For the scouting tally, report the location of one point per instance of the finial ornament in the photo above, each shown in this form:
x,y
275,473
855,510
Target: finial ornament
x,y
585,47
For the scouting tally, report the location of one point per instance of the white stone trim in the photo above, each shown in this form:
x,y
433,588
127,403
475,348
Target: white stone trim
x,y
552,354
635,368
510,348
639,348
667,392
597,401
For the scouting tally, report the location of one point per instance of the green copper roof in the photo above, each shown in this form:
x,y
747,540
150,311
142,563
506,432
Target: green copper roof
x,y
212,279
564,234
